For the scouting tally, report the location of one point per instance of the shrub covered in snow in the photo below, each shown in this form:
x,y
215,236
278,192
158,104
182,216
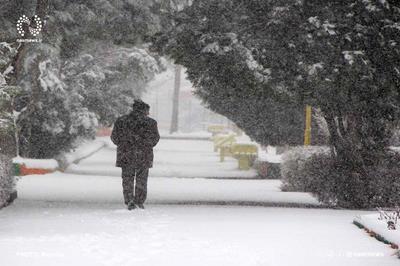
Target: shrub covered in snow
x,y
333,183
294,176
6,180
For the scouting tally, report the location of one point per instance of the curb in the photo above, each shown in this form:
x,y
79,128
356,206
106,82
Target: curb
x,y
239,203
20,169
378,237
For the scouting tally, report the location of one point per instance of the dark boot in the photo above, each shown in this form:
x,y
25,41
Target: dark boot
x,y
131,205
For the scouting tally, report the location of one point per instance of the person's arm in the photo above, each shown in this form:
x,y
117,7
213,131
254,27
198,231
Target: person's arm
x,y
155,135
151,135
115,135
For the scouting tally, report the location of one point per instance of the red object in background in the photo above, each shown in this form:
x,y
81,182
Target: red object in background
x,y
33,171
104,132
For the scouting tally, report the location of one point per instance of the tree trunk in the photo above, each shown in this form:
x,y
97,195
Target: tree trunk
x,y
175,100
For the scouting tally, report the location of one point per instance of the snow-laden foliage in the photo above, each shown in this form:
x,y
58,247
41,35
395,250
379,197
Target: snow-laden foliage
x,y
48,113
106,78
91,64
334,185
294,176
6,180
223,62
341,57
7,97
313,170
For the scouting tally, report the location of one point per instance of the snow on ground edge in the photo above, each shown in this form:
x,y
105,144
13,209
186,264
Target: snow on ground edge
x,y
379,231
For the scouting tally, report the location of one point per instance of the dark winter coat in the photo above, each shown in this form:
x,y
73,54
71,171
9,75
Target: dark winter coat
x,y
135,136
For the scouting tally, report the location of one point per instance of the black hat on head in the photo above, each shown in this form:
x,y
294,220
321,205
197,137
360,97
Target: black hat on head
x,y
140,106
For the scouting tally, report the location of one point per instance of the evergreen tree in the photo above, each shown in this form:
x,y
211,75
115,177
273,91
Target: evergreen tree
x,y
341,57
223,61
62,98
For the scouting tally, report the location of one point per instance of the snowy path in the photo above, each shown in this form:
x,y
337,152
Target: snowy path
x,y
185,172
40,233
77,219
89,188
173,158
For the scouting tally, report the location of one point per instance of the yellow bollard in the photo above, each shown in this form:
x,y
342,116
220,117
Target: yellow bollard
x,y
307,131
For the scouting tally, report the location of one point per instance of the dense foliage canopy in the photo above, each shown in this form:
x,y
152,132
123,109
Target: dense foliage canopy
x,y
91,64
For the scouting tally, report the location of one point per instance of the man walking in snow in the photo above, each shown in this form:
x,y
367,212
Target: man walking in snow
x,y
135,135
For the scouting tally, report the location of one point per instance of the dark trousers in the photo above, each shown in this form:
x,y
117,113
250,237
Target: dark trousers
x,y
134,192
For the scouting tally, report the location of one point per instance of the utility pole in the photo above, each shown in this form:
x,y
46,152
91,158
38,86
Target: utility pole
x,y
175,100
307,131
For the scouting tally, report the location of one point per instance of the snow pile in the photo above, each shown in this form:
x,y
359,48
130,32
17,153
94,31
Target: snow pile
x,y
50,164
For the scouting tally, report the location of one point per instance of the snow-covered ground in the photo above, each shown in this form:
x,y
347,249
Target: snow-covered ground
x,y
90,188
53,233
200,135
373,223
173,158
76,219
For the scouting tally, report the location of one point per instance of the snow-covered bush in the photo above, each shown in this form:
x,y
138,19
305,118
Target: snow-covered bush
x,y
6,180
294,176
314,170
336,185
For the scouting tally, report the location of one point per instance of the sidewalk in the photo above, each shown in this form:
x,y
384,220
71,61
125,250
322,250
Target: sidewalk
x,y
172,158
107,189
185,172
